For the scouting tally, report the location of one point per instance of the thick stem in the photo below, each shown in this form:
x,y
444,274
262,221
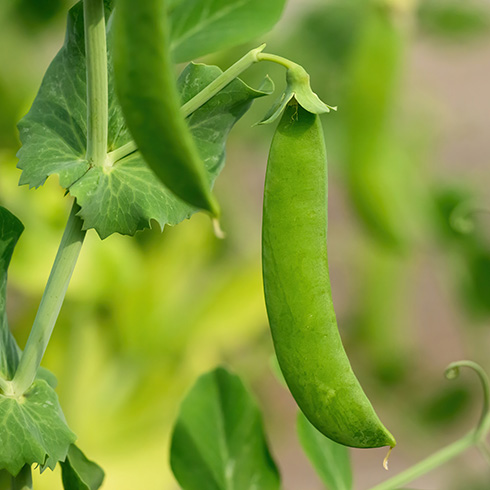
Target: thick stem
x,y
435,460
199,99
97,88
51,302
23,481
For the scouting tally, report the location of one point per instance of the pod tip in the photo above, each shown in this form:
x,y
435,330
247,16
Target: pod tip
x,y
218,232
385,461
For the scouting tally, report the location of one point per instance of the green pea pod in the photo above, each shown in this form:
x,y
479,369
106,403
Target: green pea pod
x,y
148,95
297,287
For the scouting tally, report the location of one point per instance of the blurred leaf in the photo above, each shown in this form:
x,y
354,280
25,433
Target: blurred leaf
x,y
35,13
128,196
218,442
10,230
476,284
446,406
330,460
201,27
453,20
79,473
446,200
34,429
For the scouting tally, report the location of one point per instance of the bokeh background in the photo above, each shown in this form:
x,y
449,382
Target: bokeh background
x,y
409,247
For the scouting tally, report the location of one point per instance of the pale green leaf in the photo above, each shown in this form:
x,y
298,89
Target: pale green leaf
x,y
201,27
330,460
218,442
79,473
33,429
126,197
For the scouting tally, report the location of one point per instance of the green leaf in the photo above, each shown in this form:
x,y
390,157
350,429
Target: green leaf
x,y
201,27
10,230
33,429
79,473
218,442
330,460
127,196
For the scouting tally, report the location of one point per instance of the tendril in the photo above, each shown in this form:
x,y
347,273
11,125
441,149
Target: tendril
x,y
452,372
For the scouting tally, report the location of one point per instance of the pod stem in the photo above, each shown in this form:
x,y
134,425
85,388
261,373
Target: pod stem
x,y
280,60
199,99
475,438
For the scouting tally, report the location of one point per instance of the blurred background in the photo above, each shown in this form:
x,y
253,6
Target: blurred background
x,y
409,246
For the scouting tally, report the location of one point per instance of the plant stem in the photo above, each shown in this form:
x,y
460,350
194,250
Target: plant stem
x,y
23,481
51,302
199,99
435,460
97,87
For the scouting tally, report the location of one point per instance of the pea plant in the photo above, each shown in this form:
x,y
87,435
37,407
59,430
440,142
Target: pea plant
x,y
131,144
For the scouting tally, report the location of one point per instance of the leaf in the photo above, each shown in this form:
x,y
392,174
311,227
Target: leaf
x,y
10,230
218,442
33,429
123,198
201,27
330,460
79,473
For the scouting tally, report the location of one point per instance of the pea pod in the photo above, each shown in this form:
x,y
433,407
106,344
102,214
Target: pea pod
x,y
297,287
148,95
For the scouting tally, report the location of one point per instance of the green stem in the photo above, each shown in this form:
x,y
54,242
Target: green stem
x,y
97,87
23,481
435,460
51,302
199,99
